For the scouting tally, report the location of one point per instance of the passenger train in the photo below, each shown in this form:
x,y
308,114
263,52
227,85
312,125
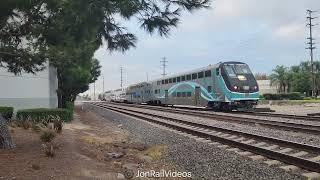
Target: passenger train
x,y
224,86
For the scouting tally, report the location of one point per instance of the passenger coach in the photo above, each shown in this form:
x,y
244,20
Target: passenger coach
x,y
224,86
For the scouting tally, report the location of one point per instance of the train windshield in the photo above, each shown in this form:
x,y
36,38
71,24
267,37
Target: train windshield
x,y
236,69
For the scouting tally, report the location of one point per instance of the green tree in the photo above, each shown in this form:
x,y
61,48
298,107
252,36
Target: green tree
x,y
279,77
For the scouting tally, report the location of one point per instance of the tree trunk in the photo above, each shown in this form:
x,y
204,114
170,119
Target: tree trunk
x,y
61,97
5,138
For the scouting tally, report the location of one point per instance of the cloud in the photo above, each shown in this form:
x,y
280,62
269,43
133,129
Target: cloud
x,y
291,31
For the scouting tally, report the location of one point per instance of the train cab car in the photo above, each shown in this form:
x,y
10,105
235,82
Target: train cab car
x,y
238,85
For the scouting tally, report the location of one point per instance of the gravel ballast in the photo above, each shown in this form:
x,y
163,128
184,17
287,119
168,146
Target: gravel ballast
x,y
204,161
298,137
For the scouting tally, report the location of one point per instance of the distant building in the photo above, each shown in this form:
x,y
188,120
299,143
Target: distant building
x,y
266,88
28,90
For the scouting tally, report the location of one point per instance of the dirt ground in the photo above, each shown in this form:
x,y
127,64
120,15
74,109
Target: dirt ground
x,y
302,109
81,152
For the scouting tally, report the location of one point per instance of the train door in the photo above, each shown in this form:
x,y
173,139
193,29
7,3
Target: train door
x,y
197,96
166,96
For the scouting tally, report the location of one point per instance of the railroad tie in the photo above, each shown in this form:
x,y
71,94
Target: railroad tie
x,y
298,154
232,137
272,162
240,139
311,176
260,144
316,159
286,150
289,168
257,157
248,141
272,147
245,153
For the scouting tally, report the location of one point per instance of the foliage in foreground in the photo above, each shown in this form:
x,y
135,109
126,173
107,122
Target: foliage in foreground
x,y
6,112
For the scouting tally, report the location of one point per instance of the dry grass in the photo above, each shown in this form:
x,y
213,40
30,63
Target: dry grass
x,y
155,151
96,140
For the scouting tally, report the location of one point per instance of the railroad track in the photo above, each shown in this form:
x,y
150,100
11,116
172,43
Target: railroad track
x,y
301,155
289,116
283,125
309,117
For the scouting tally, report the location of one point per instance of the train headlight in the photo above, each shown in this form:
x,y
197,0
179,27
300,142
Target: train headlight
x,y
255,87
235,87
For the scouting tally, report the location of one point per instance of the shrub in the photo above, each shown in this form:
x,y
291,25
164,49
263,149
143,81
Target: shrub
x,y
272,96
42,114
6,112
295,96
284,96
47,136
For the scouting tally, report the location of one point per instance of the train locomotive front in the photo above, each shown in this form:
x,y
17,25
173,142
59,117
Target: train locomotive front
x,y
238,86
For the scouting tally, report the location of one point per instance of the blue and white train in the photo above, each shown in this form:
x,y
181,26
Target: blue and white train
x,y
224,86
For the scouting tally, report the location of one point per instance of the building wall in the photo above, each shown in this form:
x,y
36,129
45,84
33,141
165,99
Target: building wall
x,y
266,88
28,90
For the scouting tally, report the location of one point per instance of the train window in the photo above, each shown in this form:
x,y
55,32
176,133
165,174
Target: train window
x,y
174,94
162,81
170,80
209,89
189,77
183,78
188,94
155,91
166,81
174,80
194,76
183,94
218,72
178,94
207,74
200,74
178,79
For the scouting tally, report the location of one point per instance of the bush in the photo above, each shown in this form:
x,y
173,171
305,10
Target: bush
x,y
47,136
6,112
295,96
284,96
41,115
272,96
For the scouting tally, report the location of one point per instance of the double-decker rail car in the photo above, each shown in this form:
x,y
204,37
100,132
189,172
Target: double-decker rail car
x,y
224,86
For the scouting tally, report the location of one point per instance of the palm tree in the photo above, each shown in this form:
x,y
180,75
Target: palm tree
x,y
279,78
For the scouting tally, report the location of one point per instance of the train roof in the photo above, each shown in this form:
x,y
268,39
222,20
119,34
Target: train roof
x,y
197,70
189,72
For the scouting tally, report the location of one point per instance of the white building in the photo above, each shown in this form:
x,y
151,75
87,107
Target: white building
x,y
266,88
29,91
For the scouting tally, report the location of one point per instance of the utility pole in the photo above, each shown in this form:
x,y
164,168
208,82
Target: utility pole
x,y
147,76
102,83
121,77
311,47
164,65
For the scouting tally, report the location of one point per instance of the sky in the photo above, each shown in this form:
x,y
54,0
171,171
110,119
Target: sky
x,y
262,34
